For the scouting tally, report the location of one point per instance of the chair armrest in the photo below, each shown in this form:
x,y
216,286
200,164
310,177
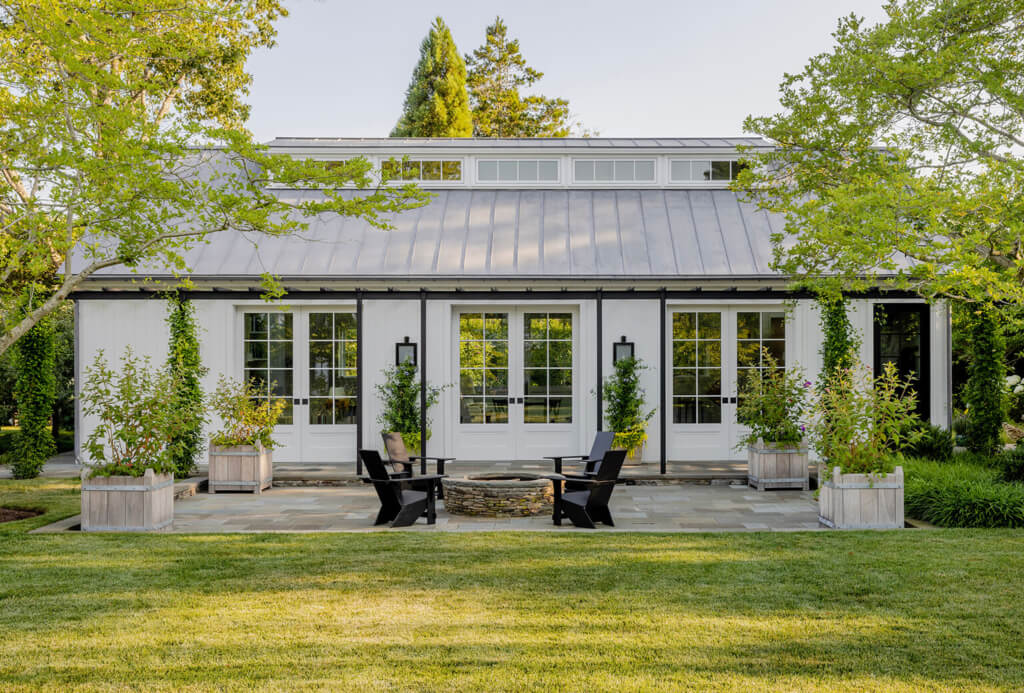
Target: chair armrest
x,y
427,457
403,480
566,457
578,479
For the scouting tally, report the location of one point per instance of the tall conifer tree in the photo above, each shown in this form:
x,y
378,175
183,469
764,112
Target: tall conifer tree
x,y
497,71
436,102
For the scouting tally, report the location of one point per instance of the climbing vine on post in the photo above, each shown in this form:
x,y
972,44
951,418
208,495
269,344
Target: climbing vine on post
x,y
185,366
984,393
34,393
840,343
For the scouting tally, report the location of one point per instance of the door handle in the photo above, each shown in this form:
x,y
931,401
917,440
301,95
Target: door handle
x,y
296,401
729,400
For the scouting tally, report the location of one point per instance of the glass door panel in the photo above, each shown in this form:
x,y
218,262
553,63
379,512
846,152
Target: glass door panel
x,y
483,368
697,367
268,357
516,393
333,396
547,368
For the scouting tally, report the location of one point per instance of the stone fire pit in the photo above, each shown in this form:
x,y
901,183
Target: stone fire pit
x,y
498,495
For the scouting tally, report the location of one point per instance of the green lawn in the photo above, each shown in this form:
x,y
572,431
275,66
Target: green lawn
x,y
888,611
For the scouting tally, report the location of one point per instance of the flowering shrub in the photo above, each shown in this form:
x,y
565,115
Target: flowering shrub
x,y
247,416
138,417
772,402
859,420
1015,397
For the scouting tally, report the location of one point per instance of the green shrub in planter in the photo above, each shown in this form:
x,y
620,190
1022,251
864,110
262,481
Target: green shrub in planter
x,y
859,420
138,417
247,416
624,403
773,402
400,395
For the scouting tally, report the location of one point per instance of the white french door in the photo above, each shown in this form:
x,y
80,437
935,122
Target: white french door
x,y
710,350
516,395
306,356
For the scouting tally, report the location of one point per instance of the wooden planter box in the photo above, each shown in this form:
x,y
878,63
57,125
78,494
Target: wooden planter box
x,y
127,503
240,468
777,465
862,501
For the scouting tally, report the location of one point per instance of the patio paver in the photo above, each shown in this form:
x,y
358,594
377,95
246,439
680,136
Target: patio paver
x,y
635,508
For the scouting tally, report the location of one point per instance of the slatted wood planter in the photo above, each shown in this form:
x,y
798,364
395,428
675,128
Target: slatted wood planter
x,y
777,465
240,468
862,501
127,503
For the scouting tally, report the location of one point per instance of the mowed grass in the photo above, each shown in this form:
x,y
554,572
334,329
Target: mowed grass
x,y
910,610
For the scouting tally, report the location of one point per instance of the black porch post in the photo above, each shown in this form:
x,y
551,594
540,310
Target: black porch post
x,y
600,362
664,374
359,380
423,372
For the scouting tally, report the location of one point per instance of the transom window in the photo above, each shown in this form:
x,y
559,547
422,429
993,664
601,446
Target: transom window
x,y
517,170
333,391
697,367
547,367
681,170
483,368
268,357
423,170
614,170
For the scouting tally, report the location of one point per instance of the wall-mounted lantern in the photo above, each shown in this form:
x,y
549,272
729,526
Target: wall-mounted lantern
x,y
622,350
405,351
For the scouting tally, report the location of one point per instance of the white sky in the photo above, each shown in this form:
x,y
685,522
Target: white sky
x,y
639,68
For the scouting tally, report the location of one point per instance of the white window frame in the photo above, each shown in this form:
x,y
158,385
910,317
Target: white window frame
x,y
653,160
463,178
518,161
701,183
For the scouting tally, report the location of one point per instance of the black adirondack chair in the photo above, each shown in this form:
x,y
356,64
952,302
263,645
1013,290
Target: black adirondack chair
x,y
602,444
402,463
590,505
399,506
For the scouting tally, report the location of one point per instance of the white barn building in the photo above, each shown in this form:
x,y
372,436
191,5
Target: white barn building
x,y
533,260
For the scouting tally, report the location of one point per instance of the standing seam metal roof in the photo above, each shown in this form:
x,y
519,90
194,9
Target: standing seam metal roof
x,y
470,233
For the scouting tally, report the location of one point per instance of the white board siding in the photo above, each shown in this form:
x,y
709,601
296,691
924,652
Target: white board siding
x,y
112,324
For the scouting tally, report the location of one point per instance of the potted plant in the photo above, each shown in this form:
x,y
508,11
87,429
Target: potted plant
x,y
859,421
624,407
240,453
400,395
772,403
129,485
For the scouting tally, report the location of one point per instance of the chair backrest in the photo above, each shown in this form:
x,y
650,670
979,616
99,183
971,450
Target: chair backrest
x,y
395,446
602,444
374,465
611,464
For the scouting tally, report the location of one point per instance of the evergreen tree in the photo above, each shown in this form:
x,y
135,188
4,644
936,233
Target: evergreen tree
x,y
436,102
497,71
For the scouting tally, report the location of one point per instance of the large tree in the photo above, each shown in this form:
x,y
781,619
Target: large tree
x,y
102,106
497,73
436,102
901,151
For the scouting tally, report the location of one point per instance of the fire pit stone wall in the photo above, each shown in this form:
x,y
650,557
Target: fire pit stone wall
x,y
498,495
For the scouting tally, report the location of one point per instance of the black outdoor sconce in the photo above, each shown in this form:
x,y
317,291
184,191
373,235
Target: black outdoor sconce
x,y
405,351
622,350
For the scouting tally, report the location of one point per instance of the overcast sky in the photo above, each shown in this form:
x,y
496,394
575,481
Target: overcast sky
x,y
628,68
